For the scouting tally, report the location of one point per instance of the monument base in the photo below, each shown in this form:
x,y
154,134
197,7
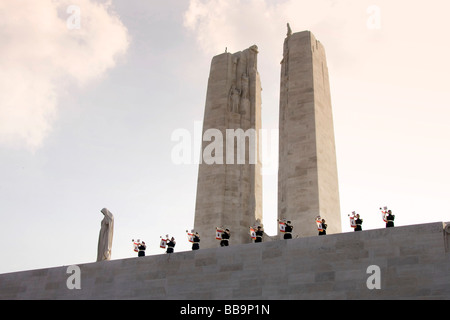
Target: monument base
x,y
409,262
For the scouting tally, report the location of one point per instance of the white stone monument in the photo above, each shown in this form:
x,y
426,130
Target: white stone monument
x,y
229,190
307,176
106,236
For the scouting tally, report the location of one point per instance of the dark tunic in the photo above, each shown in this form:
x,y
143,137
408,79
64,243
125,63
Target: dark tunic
x,y
390,220
259,235
225,238
141,252
358,224
170,246
288,232
324,230
196,245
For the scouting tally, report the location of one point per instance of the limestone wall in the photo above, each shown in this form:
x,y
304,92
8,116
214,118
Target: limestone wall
x,y
414,263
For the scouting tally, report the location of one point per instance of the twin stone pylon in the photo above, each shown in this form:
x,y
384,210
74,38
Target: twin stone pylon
x,y
229,188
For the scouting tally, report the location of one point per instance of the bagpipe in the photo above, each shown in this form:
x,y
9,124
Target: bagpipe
x,y
384,212
190,236
353,219
136,245
282,225
219,232
252,233
319,223
163,242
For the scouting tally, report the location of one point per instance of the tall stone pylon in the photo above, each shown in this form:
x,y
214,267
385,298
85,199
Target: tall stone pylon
x,y
307,174
229,188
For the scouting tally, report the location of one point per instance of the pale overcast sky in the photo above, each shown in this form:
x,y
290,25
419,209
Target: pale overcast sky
x,y
87,112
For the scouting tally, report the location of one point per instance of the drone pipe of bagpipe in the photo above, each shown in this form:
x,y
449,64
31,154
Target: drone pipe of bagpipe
x,y
384,213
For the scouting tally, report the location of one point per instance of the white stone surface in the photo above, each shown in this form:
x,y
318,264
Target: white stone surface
x,y
307,178
413,261
230,194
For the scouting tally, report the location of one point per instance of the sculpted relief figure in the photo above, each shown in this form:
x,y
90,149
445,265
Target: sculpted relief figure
x,y
254,48
245,84
234,98
106,236
245,99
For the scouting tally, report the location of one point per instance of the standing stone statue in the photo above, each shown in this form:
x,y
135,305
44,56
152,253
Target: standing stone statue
x,y
289,30
106,236
235,94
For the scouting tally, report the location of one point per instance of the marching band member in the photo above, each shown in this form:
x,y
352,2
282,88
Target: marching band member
x,y
285,228
259,234
142,246
288,230
225,238
196,240
139,247
355,221
358,222
390,219
193,238
324,228
170,245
